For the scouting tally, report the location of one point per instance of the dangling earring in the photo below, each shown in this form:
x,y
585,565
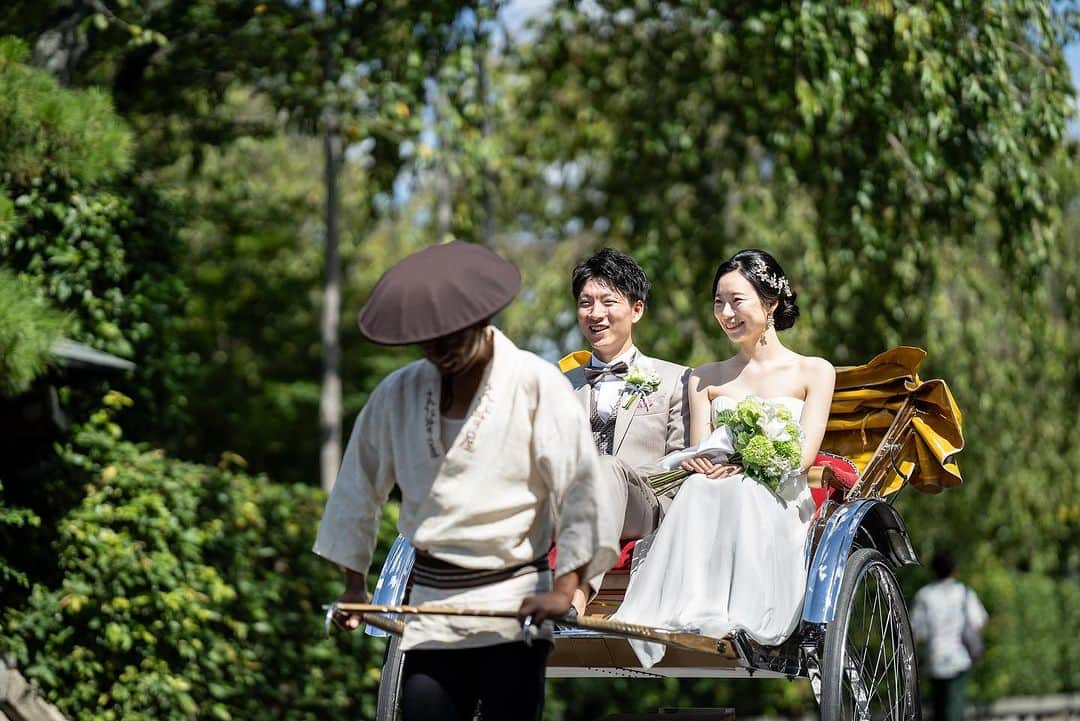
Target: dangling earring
x,y
768,326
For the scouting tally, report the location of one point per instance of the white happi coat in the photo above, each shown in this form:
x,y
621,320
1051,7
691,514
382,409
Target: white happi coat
x,y
523,465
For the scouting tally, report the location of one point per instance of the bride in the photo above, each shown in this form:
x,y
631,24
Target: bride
x,y
729,553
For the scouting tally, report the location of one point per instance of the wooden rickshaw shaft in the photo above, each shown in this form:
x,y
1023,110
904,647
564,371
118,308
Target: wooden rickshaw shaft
x,y
678,639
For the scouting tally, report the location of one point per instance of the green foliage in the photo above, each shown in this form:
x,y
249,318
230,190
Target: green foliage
x,y
107,259
103,252
28,329
885,130
1024,646
189,592
252,274
1011,364
44,128
14,517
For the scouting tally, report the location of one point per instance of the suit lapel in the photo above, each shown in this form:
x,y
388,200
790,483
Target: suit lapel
x,y
625,416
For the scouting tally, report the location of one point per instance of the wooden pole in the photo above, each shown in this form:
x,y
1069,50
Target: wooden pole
x,y
678,639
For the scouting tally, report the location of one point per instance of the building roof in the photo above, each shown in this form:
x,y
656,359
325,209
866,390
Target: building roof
x,y
78,355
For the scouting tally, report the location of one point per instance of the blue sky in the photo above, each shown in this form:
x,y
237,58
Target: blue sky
x,y
1072,57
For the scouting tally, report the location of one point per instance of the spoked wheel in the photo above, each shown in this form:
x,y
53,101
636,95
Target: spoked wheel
x,y
389,706
869,671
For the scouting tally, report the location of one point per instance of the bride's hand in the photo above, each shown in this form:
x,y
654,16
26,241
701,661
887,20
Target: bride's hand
x,y
724,469
702,464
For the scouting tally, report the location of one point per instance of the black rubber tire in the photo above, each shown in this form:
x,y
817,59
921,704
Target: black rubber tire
x,y
869,651
389,706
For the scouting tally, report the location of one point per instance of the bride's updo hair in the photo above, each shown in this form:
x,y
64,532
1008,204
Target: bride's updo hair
x,y
768,279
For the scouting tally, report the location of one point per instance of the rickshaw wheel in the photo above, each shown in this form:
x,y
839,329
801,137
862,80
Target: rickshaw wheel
x,y
389,705
869,670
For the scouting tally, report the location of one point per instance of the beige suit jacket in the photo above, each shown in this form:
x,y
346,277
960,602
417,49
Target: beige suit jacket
x,y
644,435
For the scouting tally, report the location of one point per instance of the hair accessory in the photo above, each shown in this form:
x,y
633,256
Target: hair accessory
x,y
778,283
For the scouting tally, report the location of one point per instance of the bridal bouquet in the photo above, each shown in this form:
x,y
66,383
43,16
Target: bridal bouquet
x,y
758,434
767,440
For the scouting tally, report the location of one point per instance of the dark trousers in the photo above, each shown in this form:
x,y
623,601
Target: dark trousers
x,y
948,697
506,681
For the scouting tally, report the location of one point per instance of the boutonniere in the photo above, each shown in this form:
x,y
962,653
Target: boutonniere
x,y
640,383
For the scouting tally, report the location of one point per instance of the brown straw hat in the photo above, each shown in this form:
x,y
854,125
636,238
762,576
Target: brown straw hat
x,y
437,291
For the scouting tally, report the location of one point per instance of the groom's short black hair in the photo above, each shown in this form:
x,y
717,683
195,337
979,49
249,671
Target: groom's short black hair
x,y
614,270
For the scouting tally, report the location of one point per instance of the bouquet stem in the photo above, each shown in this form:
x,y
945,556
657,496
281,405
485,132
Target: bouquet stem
x,y
663,482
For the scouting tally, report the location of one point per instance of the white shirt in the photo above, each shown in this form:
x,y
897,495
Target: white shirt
x,y
451,427
938,618
610,388
523,465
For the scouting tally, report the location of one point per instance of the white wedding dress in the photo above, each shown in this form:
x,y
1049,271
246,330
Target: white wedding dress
x,y
728,555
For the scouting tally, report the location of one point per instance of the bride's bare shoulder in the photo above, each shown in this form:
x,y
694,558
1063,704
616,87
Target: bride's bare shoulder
x,y
814,363
815,368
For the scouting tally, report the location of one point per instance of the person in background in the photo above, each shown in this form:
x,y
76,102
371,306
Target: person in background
x,y
493,456
939,616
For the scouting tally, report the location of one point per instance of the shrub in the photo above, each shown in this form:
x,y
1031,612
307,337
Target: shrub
x,y
28,329
1026,652
189,591
97,240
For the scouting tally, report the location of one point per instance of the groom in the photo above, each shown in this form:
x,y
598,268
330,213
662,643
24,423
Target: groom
x,y
633,424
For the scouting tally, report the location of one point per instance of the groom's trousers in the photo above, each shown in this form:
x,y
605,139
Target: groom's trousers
x,y
624,491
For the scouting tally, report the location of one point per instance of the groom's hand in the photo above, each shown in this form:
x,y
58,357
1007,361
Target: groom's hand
x,y
702,464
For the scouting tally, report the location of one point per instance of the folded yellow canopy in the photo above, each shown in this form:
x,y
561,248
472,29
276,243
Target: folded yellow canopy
x,y
571,361
864,406
867,400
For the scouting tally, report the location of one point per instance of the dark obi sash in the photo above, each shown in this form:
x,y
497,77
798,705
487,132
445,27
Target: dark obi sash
x,y
435,573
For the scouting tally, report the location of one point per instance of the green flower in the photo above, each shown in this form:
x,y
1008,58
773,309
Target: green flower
x,y
758,451
766,439
790,451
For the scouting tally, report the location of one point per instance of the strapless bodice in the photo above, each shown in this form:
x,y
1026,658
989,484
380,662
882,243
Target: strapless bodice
x,y
795,405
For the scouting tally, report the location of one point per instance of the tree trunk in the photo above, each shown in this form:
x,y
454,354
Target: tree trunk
x,y
444,200
330,396
486,176
60,48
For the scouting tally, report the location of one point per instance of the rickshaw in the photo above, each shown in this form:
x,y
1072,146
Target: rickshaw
x,y
887,429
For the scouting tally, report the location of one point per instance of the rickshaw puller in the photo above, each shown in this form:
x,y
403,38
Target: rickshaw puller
x,y
490,450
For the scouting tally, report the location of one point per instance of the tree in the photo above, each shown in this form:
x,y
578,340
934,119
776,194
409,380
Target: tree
x,y
352,74
363,79
28,330
682,129
93,239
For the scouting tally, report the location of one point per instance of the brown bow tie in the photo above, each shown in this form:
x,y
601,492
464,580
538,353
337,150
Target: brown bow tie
x,y
593,375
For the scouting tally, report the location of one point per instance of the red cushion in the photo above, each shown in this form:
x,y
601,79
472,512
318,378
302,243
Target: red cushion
x,y
625,554
845,470
820,494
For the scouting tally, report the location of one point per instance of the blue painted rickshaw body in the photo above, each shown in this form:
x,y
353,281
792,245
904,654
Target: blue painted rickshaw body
x,y
390,589
868,523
